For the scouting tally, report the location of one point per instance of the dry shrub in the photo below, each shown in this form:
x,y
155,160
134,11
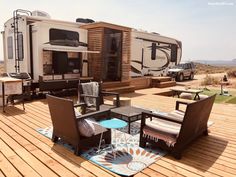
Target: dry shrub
x,y
231,73
210,80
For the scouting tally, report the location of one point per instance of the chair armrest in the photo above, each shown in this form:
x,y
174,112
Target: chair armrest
x,y
158,116
180,102
91,96
79,104
115,94
94,114
109,93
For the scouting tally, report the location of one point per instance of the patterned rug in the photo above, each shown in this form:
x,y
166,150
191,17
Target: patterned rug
x,y
129,158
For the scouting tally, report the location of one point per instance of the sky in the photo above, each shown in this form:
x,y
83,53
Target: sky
x,y
206,28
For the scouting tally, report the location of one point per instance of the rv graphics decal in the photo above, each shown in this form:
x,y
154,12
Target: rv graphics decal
x,y
147,64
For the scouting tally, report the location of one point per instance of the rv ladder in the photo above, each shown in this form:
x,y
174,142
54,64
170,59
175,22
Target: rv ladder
x,y
15,25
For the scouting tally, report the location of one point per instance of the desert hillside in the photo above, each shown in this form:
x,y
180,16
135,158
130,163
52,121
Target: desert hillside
x,y
209,69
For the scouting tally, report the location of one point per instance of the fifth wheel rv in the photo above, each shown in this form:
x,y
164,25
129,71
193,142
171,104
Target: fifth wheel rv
x,y
51,51
55,53
153,54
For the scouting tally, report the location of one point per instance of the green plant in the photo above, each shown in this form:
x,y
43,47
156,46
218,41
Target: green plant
x,y
232,100
221,98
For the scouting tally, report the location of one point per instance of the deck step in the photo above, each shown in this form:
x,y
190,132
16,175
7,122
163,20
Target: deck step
x,y
161,79
165,84
123,89
106,85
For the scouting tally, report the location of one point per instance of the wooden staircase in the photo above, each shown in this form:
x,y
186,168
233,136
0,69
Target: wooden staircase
x,y
162,82
120,87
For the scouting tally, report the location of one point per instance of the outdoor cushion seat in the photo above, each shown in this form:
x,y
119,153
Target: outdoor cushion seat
x,y
201,96
186,96
176,115
175,134
164,126
155,134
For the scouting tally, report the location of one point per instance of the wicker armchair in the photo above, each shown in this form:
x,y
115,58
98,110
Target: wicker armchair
x,y
65,124
99,99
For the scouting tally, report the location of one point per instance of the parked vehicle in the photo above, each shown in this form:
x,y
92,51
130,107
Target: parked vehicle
x,y
182,71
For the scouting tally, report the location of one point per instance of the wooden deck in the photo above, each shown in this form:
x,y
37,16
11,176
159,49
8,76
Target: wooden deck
x,y
24,152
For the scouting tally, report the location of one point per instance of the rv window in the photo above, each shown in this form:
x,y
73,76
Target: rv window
x,y
173,53
10,47
20,46
63,37
154,48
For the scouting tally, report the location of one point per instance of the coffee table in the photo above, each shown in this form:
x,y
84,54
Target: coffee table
x,y
179,90
128,113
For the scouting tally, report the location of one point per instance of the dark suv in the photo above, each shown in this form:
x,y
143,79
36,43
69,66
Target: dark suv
x,y
182,71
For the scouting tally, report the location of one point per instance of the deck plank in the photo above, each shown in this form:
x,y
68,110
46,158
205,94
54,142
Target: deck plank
x,y
40,155
22,166
37,165
25,152
152,173
7,167
77,160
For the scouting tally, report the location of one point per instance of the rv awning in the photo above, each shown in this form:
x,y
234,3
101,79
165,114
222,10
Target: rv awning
x,y
68,49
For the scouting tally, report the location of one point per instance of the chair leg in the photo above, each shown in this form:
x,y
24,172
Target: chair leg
x,y
23,104
108,140
205,133
77,150
54,138
177,155
142,143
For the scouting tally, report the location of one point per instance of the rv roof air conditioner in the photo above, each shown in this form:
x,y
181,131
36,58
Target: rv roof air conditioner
x,y
156,33
84,20
38,13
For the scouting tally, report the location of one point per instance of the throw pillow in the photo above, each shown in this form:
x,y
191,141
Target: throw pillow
x,y
86,127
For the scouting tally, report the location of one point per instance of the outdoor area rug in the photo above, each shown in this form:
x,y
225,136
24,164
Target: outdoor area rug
x,y
130,158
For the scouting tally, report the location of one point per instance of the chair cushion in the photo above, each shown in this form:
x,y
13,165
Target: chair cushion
x,y
153,134
163,130
164,126
177,115
203,96
186,96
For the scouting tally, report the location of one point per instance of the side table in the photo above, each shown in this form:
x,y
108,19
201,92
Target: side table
x,y
113,123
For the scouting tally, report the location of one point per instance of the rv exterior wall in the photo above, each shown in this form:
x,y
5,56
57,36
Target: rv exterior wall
x,y
9,31
4,49
141,54
41,36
